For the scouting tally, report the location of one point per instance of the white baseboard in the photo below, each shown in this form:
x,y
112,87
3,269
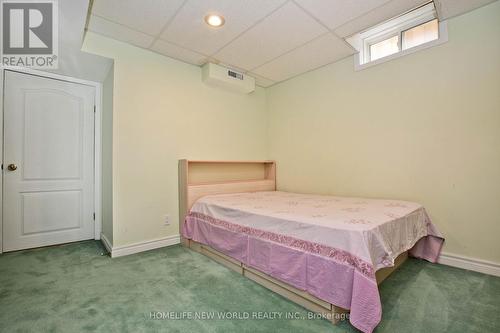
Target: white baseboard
x,y
125,250
472,264
107,244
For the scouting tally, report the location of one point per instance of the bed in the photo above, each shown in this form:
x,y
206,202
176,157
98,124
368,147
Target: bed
x,y
325,253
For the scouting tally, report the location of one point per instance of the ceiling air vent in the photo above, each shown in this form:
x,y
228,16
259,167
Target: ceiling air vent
x,y
226,78
236,75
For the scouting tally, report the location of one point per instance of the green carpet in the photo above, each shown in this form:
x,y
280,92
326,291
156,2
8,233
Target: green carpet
x,y
72,288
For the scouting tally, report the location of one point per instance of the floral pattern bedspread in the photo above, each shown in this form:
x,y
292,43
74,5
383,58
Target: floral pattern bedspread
x,y
328,246
374,230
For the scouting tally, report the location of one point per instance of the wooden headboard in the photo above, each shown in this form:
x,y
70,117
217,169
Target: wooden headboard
x,y
200,178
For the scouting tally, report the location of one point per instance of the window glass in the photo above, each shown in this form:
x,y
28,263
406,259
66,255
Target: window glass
x,y
384,48
420,34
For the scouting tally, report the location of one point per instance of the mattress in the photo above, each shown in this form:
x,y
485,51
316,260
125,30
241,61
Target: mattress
x,y
328,246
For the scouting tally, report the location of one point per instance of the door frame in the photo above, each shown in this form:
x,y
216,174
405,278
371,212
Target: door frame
x,y
97,139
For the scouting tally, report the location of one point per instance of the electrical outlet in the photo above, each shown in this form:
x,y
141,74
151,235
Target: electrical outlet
x,y
166,220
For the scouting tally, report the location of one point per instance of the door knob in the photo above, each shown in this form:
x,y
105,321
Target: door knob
x,y
12,167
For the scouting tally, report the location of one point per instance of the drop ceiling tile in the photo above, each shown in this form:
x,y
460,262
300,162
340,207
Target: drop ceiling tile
x,y
234,68
283,30
148,16
378,15
319,52
334,13
261,81
119,32
178,53
451,8
188,28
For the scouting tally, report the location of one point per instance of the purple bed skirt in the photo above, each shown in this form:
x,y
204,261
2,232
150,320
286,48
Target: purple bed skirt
x,y
332,275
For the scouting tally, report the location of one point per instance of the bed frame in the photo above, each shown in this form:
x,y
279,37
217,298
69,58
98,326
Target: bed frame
x,y
201,178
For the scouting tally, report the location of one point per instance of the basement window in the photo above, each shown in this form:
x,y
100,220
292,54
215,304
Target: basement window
x,y
405,34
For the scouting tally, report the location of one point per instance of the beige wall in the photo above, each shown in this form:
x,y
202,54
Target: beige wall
x,y
162,113
107,156
425,127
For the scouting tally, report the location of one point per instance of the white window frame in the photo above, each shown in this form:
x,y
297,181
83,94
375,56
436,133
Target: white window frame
x,y
367,43
393,27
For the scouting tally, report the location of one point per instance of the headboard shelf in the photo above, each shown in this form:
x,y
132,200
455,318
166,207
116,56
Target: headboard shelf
x,y
229,182
231,162
200,178
202,172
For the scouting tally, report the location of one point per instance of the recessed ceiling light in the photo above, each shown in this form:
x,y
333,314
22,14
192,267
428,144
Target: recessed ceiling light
x,y
214,20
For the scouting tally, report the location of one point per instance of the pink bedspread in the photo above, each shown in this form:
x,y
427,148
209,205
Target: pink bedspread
x,y
328,246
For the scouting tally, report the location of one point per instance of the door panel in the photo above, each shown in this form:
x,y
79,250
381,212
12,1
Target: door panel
x,y
61,115
50,211
49,137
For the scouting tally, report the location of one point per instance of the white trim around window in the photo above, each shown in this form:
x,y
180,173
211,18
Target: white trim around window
x,y
443,38
395,27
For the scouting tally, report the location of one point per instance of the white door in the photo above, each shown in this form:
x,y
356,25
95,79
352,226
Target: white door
x,y
48,165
